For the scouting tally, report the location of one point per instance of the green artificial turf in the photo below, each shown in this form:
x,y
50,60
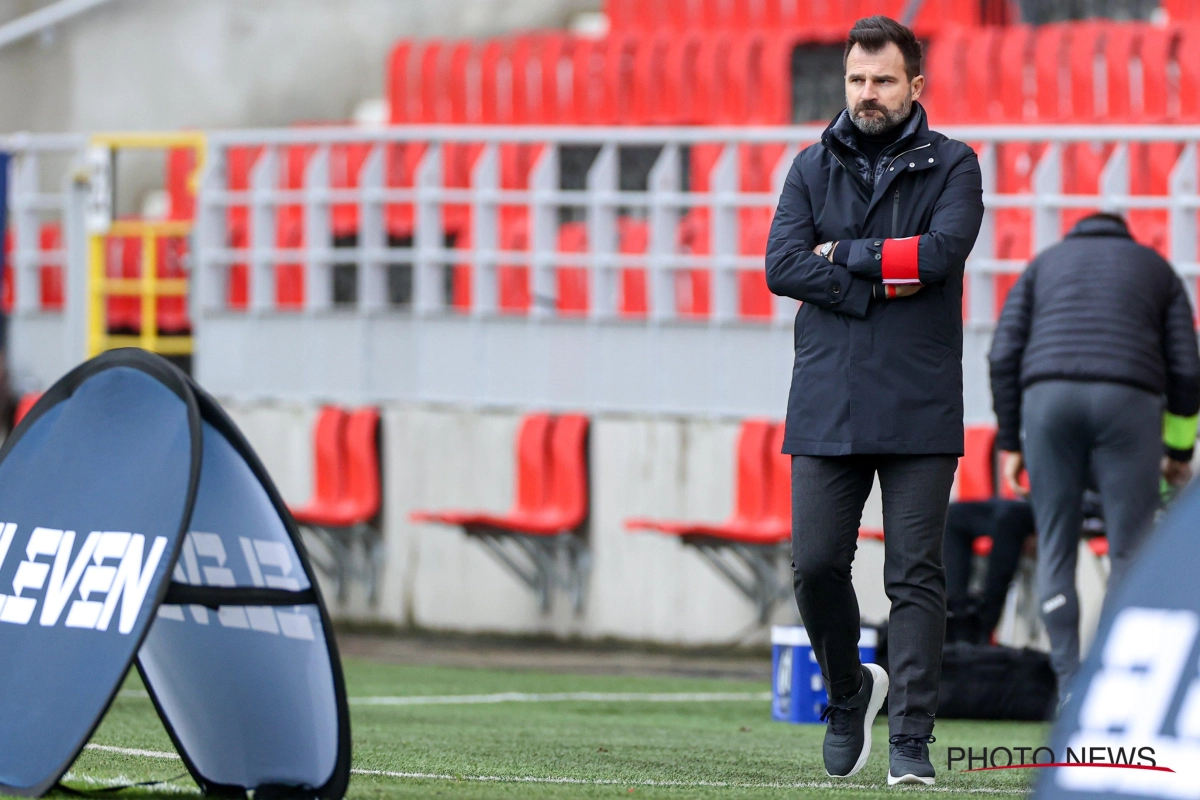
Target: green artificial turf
x,y
567,749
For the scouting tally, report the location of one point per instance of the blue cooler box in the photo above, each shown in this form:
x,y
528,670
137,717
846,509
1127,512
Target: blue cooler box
x,y
797,691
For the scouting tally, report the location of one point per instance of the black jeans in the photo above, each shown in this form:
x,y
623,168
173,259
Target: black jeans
x,y
828,494
1009,523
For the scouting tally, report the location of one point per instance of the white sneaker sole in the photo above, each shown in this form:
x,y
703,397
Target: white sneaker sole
x,y
910,778
879,690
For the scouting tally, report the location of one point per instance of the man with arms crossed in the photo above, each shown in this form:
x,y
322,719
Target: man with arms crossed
x,y
872,231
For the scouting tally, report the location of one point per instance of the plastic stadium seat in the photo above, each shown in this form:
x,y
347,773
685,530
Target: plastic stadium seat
x,y
754,298
240,163
343,512
572,295
634,239
982,61
946,70
1015,54
1187,58
26,402
329,467
693,287
50,275
551,482
749,523
123,259
976,475
513,288
532,479
1050,60
568,488
359,502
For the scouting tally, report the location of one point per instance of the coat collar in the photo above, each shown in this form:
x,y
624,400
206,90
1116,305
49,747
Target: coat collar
x,y
1100,226
841,136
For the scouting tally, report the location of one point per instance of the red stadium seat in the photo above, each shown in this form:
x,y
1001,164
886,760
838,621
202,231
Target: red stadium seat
x,y
532,480
360,500
329,468
572,296
50,275
26,402
240,163
344,510
976,478
634,239
514,293
749,523
754,298
552,496
946,69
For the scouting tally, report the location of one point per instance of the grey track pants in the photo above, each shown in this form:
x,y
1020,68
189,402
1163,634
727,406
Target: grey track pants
x,y
1069,428
828,494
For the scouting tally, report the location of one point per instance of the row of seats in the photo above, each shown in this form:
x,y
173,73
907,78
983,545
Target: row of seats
x,y
749,547
833,16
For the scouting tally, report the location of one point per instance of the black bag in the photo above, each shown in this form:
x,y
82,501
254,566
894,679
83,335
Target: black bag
x,y
990,682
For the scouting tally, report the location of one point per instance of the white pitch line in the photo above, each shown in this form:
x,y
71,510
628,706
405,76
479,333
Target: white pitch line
x,y
560,697
431,776
133,751
426,776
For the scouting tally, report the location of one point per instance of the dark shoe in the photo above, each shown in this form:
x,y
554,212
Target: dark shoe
x,y
909,758
848,735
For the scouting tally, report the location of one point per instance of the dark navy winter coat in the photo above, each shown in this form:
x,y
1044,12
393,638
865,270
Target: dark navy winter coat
x,y
1097,306
876,376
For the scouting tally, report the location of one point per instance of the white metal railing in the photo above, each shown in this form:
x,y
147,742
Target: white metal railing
x,y
248,350
661,205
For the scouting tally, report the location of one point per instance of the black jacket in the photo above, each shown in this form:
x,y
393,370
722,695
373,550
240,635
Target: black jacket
x,y
886,376
1097,306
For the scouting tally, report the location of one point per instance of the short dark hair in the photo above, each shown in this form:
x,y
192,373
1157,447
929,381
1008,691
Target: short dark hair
x,y
873,33
1106,216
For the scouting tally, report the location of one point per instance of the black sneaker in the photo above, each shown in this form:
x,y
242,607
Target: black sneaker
x,y
848,735
909,758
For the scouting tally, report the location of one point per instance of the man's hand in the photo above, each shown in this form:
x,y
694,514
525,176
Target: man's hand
x,y
1011,466
1177,473
903,290
821,248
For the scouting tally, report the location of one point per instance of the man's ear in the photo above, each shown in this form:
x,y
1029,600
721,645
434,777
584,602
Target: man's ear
x,y
918,85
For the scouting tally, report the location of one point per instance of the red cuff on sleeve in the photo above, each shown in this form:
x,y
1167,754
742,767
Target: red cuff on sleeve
x,y
900,260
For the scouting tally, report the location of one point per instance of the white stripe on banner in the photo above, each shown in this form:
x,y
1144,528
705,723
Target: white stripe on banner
x,y
433,776
563,697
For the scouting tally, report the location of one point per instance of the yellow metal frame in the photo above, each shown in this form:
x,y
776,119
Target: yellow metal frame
x,y
149,287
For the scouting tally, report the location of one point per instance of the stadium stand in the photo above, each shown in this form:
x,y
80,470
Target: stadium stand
x,y
343,512
542,540
752,546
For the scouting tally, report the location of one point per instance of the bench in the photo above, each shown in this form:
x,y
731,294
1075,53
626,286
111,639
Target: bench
x,y
753,545
542,540
343,513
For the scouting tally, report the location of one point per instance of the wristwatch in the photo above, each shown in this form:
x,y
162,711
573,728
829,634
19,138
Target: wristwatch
x,y
824,250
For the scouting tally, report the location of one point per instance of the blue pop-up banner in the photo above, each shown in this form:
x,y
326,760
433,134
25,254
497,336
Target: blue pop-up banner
x,y
136,522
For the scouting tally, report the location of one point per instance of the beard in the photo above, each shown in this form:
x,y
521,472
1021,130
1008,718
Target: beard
x,y
889,117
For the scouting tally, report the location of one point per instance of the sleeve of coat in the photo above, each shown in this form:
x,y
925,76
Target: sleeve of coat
x,y
1180,354
933,256
794,270
1008,349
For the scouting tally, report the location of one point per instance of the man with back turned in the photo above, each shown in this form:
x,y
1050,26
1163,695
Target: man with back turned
x,y
1095,375
871,233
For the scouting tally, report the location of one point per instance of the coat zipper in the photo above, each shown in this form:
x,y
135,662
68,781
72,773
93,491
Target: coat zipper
x,y
895,211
